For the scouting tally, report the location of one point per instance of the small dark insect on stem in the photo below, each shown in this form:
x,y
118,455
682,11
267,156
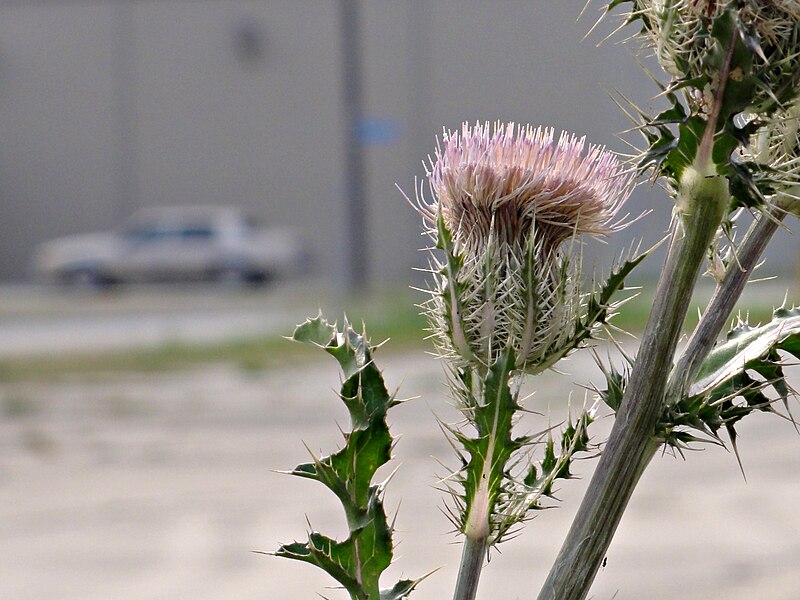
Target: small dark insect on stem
x,y
710,7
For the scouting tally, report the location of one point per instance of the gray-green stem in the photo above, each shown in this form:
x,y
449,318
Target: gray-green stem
x,y
702,200
724,299
631,443
469,572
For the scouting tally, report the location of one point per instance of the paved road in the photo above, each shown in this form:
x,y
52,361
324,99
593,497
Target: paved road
x,y
40,320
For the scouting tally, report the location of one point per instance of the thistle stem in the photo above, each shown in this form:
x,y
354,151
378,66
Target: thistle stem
x,y
702,200
724,299
631,444
470,570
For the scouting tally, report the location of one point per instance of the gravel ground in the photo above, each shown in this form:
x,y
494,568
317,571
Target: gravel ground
x,y
162,486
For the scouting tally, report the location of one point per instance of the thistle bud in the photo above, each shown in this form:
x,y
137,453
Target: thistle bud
x,y
506,209
682,35
774,156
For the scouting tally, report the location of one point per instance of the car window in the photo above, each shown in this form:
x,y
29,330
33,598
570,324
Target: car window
x,y
197,232
161,232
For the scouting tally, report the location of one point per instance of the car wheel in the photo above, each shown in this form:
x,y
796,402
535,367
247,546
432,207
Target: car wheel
x,y
257,278
87,277
237,276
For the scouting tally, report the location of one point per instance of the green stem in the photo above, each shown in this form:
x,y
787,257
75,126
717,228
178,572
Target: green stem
x,y
631,445
701,203
470,570
724,299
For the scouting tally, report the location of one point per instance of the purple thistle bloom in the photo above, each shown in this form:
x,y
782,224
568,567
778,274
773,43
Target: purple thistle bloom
x,y
515,180
504,203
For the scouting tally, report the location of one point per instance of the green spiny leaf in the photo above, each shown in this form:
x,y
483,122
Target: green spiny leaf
x,y
600,301
315,331
351,350
574,440
494,415
349,472
401,590
598,309
744,345
724,145
357,562
549,460
747,190
690,132
741,86
711,401
615,387
491,449
335,558
453,292
366,396
661,142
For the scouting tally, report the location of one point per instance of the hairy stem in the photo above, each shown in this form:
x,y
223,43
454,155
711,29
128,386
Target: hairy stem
x,y
631,444
470,570
724,299
702,200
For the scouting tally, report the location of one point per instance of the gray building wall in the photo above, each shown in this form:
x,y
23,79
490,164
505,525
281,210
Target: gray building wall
x,y
57,124
108,106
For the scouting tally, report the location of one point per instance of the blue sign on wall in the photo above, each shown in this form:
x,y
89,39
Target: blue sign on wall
x,y
378,131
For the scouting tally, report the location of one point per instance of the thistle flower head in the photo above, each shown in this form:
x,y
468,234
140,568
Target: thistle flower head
x,y
512,181
504,201
680,33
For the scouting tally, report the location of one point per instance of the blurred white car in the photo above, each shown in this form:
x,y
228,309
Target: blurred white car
x,y
175,244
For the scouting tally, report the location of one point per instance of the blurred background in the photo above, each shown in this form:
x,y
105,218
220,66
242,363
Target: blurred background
x,y
139,421
108,107
303,114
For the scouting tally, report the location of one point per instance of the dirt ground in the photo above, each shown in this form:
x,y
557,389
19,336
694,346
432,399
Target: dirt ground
x,y
163,486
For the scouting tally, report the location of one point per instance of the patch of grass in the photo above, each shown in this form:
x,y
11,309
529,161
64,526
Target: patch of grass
x,y
392,316
250,354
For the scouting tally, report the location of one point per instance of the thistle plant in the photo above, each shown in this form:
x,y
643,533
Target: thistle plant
x,y
507,210
727,141
684,35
